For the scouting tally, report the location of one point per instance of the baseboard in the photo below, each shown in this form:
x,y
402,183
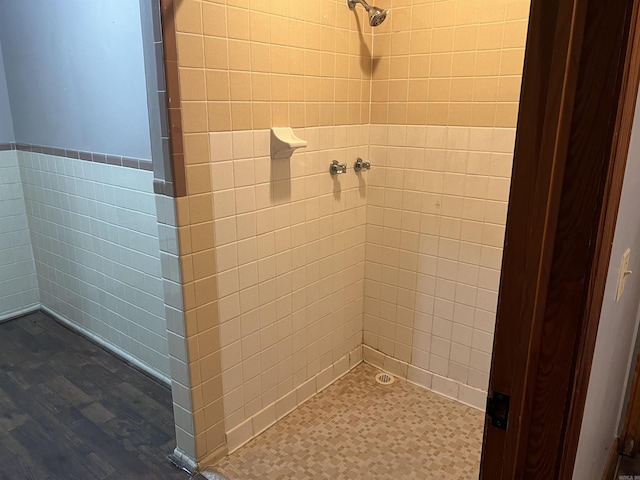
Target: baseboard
x,y
6,317
117,351
611,467
268,416
472,397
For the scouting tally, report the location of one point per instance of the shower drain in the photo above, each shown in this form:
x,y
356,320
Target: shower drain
x,y
384,379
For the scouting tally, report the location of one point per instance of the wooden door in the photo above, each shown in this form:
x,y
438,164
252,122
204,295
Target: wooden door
x,y
579,87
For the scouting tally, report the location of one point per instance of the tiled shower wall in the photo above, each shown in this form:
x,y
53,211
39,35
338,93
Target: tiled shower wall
x,y
260,64
290,249
18,281
244,68
436,214
95,242
438,197
449,62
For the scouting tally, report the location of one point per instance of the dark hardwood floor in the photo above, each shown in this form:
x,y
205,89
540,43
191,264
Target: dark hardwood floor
x,y
71,410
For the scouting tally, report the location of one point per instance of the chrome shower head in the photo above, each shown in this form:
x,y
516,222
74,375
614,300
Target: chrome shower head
x,y
376,15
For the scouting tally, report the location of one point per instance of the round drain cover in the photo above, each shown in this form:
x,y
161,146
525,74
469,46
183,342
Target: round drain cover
x,y
384,379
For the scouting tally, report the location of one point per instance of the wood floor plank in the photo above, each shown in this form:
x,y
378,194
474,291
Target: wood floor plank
x,y
54,452
17,463
69,409
10,415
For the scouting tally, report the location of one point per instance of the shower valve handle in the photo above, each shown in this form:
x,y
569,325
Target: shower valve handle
x,y
361,165
337,168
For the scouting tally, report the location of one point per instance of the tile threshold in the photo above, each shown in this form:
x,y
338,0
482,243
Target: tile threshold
x,y
210,475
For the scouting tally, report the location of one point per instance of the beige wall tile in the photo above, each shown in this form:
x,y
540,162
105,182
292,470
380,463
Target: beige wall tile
x,y
260,26
189,16
198,180
238,23
192,84
194,117
217,82
219,116
214,19
241,116
240,86
261,115
216,54
196,148
182,211
239,55
202,237
200,208
511,62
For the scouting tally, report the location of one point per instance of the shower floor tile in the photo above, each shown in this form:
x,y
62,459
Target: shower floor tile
x,y
358,429
70,410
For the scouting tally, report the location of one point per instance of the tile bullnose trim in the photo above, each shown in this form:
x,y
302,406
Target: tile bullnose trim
x,y
163,187
14,314
115,160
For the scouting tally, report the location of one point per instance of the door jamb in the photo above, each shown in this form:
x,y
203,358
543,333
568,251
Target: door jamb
x,y
558,108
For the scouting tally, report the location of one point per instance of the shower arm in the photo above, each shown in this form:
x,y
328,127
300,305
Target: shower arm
x,y
352,4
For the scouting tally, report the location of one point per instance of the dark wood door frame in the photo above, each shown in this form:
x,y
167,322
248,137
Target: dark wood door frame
x,y
580,84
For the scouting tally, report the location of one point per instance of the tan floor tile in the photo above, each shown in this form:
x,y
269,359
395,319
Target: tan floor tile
x,y
358,429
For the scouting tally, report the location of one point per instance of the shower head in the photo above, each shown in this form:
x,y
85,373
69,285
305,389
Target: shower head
x,y
376,15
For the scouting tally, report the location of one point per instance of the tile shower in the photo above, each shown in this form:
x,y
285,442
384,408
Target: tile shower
x,y
303,274
285,277
402,261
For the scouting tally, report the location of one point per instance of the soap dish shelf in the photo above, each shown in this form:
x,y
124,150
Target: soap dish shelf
x,y
284,142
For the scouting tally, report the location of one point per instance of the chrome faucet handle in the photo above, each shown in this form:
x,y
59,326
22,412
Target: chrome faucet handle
x,y
361,165
337,168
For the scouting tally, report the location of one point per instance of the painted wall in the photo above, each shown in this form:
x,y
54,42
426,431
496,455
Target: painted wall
x,y
617,331
18,281
75,75
6,123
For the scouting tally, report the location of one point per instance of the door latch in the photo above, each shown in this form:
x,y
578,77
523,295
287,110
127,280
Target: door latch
x,y
498,410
